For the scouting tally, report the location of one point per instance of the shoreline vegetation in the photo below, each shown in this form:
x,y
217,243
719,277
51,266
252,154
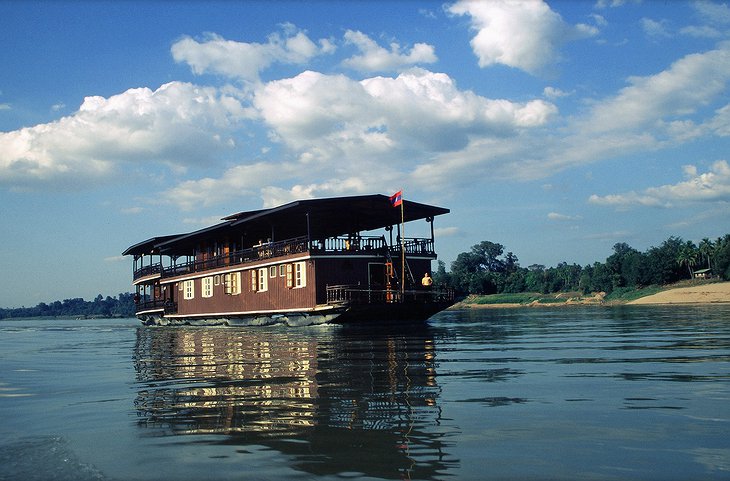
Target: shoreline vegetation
x,y
695,292
685,292
121,306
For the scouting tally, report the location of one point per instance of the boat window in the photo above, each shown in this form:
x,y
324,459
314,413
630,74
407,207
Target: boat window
x,y
232,283
290,276
300,274
272,271
207,289
263,280
189,289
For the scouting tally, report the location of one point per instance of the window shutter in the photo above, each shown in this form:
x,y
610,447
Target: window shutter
x,y
290,276
254,280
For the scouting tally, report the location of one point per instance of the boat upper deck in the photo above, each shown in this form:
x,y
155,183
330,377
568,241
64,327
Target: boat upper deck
x,y
315,226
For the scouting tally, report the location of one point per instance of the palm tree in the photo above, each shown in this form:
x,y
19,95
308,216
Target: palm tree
x,y
706,250
688,257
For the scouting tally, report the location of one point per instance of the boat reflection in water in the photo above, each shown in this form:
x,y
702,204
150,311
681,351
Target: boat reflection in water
x,y
336,400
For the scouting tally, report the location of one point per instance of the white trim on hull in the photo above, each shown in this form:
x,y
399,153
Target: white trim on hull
x,y
293,319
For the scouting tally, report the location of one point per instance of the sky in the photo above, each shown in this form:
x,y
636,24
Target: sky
x,y
556,129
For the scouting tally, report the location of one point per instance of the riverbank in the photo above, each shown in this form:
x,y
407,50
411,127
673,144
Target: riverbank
x,y
684,293
718,292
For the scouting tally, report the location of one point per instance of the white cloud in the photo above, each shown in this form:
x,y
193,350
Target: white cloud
x,y
521,34
714,16
5,107
655,28
273,196
133,210
374,58
177,124
238,181
562,217
712,186
701,31
653,112
609,3
332,114
243,60
356,136
554,93
441,232
599,19
713,12
689,84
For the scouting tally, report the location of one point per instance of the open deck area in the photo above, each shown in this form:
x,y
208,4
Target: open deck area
x,y
163,266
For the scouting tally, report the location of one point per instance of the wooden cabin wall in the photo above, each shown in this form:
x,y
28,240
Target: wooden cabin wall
x,y
320,272
333,271
277,297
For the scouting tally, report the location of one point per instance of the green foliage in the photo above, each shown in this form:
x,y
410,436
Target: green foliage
x,y
485,269
121,306
512,298
627,294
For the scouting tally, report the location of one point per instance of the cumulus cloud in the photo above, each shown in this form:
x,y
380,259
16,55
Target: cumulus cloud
x,y
417,108
521,34
236,182
653,112
345,136
374,58
245,61
712,186
178,124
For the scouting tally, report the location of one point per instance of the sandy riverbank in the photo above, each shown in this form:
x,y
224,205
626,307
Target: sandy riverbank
x,y
715,293
701,294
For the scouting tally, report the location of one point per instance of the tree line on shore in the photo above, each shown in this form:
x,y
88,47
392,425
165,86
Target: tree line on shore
x,y
486,269
119,306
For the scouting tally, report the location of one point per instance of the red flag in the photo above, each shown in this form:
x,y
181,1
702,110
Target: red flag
x,y
396,199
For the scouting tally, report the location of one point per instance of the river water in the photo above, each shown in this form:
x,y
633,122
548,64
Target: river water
x,y
622,393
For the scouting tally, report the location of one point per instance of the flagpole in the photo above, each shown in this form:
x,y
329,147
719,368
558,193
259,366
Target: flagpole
x,y
402,249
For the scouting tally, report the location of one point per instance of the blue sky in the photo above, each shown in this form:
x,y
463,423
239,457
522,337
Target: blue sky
x,y
556,129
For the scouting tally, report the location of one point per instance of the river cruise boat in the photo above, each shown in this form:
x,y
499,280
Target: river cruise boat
x,y
307,262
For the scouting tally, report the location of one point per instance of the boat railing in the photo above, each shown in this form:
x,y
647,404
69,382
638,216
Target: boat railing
x,y
332,245
415,246
256,253
147,304
149,270
351,294
356,243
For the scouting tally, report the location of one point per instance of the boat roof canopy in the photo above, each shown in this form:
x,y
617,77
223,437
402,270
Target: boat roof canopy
x,y
321,218
148,246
